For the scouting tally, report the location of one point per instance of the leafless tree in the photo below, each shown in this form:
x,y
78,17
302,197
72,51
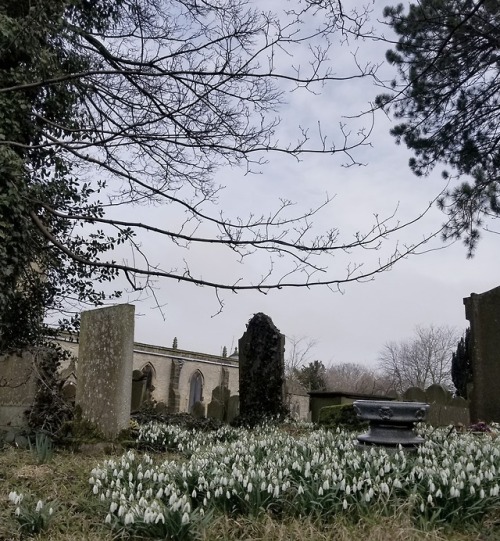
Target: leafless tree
x,y
422,360
168,93
297,354
356,378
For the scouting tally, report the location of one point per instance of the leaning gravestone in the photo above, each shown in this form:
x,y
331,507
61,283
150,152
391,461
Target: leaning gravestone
x,y
105,367
483,312
262,370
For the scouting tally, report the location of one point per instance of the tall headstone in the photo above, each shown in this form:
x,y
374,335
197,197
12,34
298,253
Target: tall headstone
x,y
483,312
105,363
262,370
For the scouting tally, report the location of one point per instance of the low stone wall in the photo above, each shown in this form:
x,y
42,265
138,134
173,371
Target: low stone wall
x,y
17,388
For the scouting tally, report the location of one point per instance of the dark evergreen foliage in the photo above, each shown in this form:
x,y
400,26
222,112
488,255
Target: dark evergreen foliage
x,y
448,98
38,277
461,366
312,376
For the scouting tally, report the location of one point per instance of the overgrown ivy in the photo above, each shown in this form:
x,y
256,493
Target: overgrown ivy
x,y
38,279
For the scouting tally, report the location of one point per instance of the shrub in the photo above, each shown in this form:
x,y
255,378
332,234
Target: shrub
x,y
342,415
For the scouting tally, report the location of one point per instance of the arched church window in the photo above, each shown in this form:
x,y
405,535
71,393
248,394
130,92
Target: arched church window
x,y
149,373
195,389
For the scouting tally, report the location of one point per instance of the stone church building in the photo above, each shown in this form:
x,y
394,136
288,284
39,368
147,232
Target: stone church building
x,y
182,380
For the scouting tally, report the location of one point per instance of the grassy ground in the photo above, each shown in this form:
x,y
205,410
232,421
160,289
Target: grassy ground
x,y
79,515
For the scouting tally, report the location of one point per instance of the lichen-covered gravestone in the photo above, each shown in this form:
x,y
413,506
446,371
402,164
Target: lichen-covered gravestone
x,y
262,370
104,376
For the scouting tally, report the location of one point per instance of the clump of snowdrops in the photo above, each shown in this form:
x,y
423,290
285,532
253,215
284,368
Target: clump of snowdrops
x,y
452,478
33,516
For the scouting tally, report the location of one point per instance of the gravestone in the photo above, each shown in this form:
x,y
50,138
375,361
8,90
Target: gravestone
x,y
262,370
233,408
105,367
438,394
216,410
415,394
139,381
217,407
198,410
483,312
444,409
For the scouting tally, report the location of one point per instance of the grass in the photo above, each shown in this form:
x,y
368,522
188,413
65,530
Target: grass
x,y
79,514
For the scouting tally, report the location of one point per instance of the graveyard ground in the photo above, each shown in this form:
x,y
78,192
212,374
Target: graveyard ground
x,y
78,514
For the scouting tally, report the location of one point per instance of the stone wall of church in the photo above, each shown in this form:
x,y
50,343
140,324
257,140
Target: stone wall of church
x,y
173,371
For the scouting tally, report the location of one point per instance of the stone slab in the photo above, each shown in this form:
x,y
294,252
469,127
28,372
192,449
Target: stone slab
x,y
105,367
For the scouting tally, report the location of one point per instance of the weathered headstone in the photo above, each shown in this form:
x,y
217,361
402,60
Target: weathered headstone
x,y
216,410
217,407
233,408
483,312
438,394
198,410
105,367
262,370
444,409
414,394
139,381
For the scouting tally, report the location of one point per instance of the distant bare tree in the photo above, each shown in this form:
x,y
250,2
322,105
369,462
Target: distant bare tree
x,y
298,354
422,360
356,378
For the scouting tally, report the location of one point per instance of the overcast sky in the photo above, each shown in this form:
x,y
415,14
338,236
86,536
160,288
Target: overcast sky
x,y
347,326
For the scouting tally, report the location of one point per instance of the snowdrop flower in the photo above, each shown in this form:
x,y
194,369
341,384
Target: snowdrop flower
x,y
15,498
129,518
39,506
160,518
